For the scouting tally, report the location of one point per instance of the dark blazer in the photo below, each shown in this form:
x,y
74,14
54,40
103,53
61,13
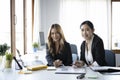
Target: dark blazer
x,y
65,56
98,51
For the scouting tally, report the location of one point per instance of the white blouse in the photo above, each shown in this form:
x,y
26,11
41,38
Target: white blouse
x,y
88,54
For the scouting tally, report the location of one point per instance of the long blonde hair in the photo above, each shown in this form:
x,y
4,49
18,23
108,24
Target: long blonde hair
x,y
51,45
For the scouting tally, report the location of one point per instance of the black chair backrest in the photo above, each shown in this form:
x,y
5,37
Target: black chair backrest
x,y
110,58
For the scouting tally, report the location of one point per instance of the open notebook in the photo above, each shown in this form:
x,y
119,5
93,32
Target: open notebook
x,y
69,70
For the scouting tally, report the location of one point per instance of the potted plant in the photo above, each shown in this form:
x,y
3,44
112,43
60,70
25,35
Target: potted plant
x,y
8,57
35,46
3,49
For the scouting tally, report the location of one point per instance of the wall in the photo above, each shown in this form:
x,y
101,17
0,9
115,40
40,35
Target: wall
x,y
49,14
117,59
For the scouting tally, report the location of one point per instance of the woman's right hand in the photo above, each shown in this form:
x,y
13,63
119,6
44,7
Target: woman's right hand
x,y
57,63
78,64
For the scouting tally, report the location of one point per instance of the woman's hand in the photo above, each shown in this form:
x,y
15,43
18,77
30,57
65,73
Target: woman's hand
x,y
78,64
57,63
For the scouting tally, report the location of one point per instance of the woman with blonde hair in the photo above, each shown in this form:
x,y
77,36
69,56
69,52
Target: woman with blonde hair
x,y
58,49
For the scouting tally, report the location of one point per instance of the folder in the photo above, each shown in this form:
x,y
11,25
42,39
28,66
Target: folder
x,y
106,69
37,67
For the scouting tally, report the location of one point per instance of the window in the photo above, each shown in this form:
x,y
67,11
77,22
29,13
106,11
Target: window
x,y
23,11
115,25
5,22
74,12
19,24
16,24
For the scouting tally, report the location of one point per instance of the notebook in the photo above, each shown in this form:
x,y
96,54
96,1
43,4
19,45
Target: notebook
x,y
69,70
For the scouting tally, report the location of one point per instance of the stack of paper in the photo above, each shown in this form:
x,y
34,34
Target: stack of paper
x,y
51,68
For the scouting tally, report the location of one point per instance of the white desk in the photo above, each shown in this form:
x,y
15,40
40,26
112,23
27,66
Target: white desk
x,y
50,75
43,75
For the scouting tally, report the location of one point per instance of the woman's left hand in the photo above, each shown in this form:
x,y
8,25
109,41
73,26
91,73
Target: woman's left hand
x,y
78,64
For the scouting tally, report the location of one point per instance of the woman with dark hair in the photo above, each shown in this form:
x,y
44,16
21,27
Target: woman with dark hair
x,y
58,49
92,48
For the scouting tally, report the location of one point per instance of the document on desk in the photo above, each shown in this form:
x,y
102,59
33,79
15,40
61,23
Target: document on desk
x,y
51,68
106,69
69,70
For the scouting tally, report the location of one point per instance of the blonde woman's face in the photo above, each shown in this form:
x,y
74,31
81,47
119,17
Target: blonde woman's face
x,y
86,32
55,35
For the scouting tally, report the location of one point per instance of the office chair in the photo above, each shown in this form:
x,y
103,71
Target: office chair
x,y
110,58
74,52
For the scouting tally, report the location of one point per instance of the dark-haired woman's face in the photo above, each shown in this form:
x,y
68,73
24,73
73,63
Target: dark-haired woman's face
x,y
55,35
86,32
